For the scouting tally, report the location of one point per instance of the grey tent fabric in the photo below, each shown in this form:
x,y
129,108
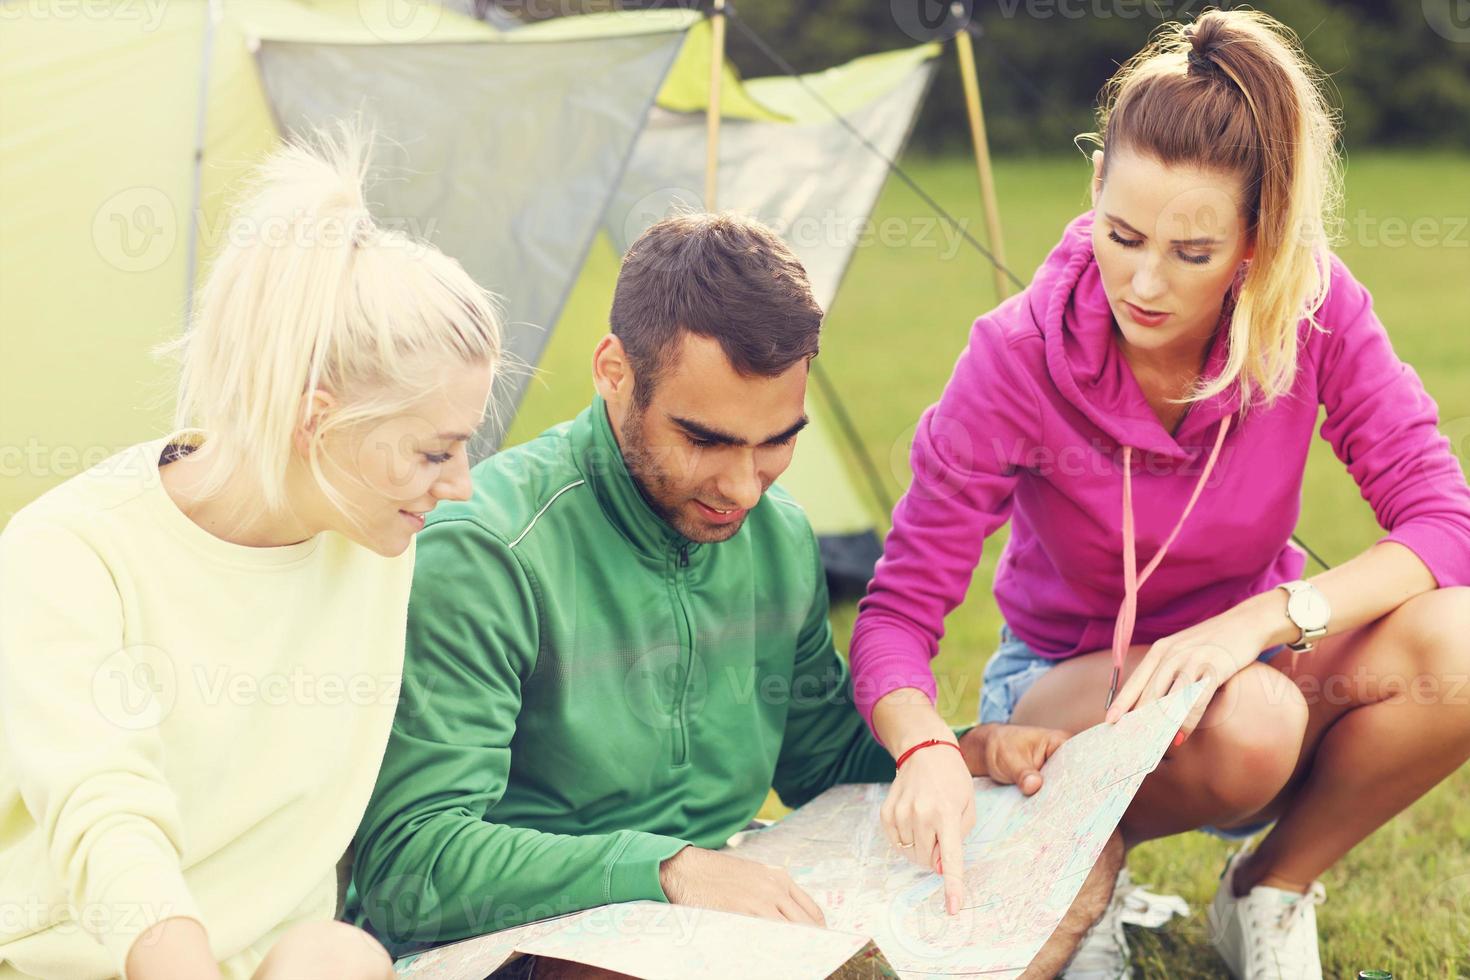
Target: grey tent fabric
x,y
508,166
516,187
813,182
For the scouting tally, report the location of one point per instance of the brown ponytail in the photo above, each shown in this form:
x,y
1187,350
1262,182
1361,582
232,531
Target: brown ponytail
x,y
1233,92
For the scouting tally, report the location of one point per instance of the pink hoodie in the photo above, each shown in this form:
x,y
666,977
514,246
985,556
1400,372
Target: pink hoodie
x,y
1035,424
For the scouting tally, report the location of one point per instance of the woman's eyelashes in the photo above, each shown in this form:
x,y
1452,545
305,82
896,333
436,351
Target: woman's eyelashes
x,y
1136,242
1125,242
438,457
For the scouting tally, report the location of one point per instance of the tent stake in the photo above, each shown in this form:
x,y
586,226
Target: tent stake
x,y
965,49
712,112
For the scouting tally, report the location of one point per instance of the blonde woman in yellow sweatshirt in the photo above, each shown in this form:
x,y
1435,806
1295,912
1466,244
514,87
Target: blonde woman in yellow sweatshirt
x,y
201,639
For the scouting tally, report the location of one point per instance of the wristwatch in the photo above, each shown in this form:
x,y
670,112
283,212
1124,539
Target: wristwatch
x,y
1309,611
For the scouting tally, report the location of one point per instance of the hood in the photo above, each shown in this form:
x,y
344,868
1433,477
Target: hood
x,y
1069,305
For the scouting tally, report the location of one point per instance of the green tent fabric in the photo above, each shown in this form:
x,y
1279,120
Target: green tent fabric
x,y
107,222
105,121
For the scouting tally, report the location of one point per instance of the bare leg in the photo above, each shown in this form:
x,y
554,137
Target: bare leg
x,y
1235,763
546,968
1389,711
1091,901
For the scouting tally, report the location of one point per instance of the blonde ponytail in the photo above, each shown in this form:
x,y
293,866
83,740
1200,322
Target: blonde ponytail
x,y
310,294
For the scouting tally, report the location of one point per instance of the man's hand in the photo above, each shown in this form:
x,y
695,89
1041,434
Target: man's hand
x,y
1011,753
711,880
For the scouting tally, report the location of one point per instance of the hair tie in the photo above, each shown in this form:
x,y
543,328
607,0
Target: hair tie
x,y
1200,63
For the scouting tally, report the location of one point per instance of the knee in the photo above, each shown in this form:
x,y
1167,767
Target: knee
x,y
1432,634
1435,630
326,951
1252,733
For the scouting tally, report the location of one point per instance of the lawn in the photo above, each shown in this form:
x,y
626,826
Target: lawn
x,y
1401,900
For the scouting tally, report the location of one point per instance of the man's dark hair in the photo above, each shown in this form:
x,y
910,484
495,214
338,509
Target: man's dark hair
x,y
724,276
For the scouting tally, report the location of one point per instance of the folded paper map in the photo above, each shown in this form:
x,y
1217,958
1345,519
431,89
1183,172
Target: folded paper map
x,y
1025,861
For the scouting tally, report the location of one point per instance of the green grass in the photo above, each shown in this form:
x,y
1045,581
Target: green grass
x,y
1401,900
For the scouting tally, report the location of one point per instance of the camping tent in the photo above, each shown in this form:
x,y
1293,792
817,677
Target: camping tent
x,y
127,131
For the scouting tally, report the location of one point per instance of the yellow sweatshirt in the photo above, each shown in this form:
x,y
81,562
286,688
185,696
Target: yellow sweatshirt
x,y
187,726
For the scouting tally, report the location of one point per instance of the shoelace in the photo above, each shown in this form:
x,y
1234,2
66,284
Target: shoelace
x,y
1278,925
1134,905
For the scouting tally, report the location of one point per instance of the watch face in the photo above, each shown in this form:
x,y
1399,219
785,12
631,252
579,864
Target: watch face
x,y
1309,609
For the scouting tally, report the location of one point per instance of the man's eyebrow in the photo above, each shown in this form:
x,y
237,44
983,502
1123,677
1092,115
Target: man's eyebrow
x,y
1177,241
707,434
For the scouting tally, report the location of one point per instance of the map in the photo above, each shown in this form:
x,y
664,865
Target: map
x,y
657,941
1025,861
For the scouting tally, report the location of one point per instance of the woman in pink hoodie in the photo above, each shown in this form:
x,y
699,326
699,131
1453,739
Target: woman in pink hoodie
x,y
1149,401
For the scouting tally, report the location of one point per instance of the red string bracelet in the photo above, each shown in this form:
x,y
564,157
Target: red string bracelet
x,y
924,745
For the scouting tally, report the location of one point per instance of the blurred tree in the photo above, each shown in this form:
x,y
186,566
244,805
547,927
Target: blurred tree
x,y
1399,79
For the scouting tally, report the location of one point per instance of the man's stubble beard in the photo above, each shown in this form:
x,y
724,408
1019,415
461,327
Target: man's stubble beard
x,y
657,487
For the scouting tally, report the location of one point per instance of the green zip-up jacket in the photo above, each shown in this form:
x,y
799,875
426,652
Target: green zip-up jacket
x,y
586,691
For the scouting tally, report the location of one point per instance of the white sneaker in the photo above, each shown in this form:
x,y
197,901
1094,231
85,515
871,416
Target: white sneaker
x,y
1270,934
1103,952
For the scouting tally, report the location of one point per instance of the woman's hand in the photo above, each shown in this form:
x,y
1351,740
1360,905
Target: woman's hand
x,y
929,810
176,948
1212,651
930,806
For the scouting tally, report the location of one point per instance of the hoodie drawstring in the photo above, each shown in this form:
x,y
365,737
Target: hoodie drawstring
x,y
1132,580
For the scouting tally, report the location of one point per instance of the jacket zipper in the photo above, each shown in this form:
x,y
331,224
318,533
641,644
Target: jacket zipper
x,y
681,602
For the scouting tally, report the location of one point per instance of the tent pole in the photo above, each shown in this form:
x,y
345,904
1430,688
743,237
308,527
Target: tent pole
x,y
965,49
212,13
712,112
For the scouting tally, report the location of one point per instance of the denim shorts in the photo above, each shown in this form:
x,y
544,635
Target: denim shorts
x,y
1015,667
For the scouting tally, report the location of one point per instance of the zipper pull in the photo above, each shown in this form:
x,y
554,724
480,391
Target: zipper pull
x,y
683,556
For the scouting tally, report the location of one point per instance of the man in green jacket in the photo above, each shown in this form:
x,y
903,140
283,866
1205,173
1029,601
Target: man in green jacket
x,y
621,642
